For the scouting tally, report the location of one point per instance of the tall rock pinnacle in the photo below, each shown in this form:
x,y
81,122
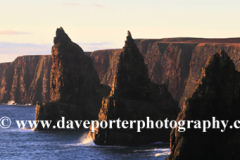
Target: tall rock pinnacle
x,y
129,34
61,36
76,92
131,80
67,69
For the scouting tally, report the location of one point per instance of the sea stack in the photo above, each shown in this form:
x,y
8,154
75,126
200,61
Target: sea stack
x,y
75,89
134,97
216,95
73,78
131,80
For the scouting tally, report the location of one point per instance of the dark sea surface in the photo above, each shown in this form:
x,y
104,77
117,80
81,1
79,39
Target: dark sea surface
x,y
26,144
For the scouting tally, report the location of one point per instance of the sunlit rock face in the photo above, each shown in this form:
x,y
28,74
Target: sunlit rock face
x,y
216,95
134,97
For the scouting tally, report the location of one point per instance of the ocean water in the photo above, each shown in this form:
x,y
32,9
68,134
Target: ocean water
x,y
23,144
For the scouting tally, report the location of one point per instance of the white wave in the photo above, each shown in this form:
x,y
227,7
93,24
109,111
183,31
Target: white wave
x,y
154,149
86,140
157,152
163,153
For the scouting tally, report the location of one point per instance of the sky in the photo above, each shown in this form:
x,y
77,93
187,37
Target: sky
x,y
27,27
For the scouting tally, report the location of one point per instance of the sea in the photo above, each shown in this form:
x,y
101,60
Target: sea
x,y
24,144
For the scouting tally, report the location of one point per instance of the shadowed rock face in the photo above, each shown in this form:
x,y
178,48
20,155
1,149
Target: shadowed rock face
x,y
131,79
26,80
75,88
216,95
134,97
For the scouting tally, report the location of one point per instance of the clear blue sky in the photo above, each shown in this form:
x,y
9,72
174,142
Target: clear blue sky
x,y
28,27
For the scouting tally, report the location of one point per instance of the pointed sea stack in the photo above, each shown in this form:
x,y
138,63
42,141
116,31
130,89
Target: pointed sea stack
x,y
131,80
75,89
217,95
134,97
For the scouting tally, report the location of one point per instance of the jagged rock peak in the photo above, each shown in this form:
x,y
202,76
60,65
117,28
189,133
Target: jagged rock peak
x,y
224,54
221,55
216,64
129,43
131,80
61,36
129,34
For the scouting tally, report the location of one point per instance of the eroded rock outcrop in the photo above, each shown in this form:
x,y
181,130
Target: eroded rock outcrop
x,y
134,97
75,89
216,95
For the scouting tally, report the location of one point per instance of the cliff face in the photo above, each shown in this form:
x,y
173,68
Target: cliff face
x,y
176,62
105,63
217,95
39,89
134,96
75,89
26,80
3,66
